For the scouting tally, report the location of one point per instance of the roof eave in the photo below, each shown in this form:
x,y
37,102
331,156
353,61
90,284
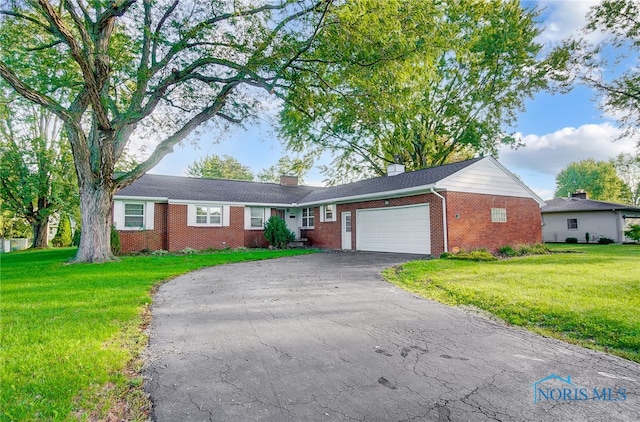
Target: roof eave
x,y
372,196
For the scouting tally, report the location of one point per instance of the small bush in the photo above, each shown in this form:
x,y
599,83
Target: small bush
x,y
115,241
187,251
586,237
534,249
277,233
605,241
571,240
477,255
507,251
159,252
63,235
633,233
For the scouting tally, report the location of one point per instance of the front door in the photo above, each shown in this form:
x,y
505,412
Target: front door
x,y
346,230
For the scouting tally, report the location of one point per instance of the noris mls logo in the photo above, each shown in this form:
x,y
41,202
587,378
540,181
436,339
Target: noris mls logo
x,y
554,388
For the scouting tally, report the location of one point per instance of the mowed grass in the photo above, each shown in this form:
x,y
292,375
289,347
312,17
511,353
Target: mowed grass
x,y
69,333
591,298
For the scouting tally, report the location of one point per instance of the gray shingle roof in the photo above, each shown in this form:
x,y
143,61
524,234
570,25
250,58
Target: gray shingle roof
x,y
575,204
194,189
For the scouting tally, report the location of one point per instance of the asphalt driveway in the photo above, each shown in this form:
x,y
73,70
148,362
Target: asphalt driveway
x,y
323,338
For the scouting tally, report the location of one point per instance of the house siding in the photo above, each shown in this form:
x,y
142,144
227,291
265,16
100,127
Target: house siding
x,y
138,240
470,227
596,223
328,234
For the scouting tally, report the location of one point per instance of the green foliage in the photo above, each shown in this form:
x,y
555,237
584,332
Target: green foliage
x,y
598,178
599,311
619,22
76,236
475,255
421,82
605,241
69,333
132,71
216,167
586,237
571,240
507,251
115,240
633,232
628,169
63,236
277,233
298,167
12,226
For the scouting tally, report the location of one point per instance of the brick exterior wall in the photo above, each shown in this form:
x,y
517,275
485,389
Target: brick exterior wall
x,y
137,240
328,234
468,219
470,226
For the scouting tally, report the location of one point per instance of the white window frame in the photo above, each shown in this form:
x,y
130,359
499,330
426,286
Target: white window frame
x,y
120,215
328,213
308,218
256,218
251,214
569,225
498,215
208,215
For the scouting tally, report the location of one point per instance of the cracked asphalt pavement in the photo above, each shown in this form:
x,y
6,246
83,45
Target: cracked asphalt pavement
x,y
323,338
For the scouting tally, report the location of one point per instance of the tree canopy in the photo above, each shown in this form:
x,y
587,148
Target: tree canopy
x,y
628,168
422,83
216,167
152,70
298,167
598,178
610,66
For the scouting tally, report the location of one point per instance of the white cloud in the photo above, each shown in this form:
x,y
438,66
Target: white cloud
x,y
550,153
564,18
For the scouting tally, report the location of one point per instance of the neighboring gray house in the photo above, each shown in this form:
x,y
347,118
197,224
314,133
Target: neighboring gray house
x,y
577,216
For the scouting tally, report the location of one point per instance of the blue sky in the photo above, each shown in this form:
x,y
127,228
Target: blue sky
x,y
556,129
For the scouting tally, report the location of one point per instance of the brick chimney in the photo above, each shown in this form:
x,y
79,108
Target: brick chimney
x,y
395,169
579,194
288,180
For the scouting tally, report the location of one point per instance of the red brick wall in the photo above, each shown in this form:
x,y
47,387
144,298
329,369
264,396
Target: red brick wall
x,y
137,240
472,228
182,236
328,234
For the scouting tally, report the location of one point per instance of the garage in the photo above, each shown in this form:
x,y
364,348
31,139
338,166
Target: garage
x,y
397,229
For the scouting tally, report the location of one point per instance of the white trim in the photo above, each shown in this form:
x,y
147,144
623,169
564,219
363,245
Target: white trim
x,y
369,196
232,204
247,217
302,218
140,198
147,215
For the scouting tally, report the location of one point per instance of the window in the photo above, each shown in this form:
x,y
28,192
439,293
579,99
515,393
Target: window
x,y
347,223
498,215
572,223
134,216
208,215
257,217
308,219
329,212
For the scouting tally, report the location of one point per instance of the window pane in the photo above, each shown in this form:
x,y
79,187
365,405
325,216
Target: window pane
x,y
133,209
328,213
201,219
215,215
572,223
499,215
347,223
133,221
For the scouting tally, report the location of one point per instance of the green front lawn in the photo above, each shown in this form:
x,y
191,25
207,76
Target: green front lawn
x,y
70,334
591,298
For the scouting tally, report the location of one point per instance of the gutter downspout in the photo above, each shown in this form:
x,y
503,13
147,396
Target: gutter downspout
x,y
444,219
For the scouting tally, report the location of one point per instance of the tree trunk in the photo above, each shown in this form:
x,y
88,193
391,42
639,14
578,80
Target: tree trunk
x,y
95,238
40,234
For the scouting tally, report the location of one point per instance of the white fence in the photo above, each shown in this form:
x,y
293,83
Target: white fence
x,y
10,245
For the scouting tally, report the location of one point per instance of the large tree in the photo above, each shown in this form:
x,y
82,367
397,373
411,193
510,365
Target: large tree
x,y
37,178
628,169
153,70
423,83
610,66
597,178
298,167
216,167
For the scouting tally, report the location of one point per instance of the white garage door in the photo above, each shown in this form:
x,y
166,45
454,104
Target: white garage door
x,y
397,229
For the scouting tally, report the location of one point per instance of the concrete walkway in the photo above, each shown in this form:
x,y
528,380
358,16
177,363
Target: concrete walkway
x,y
324,338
